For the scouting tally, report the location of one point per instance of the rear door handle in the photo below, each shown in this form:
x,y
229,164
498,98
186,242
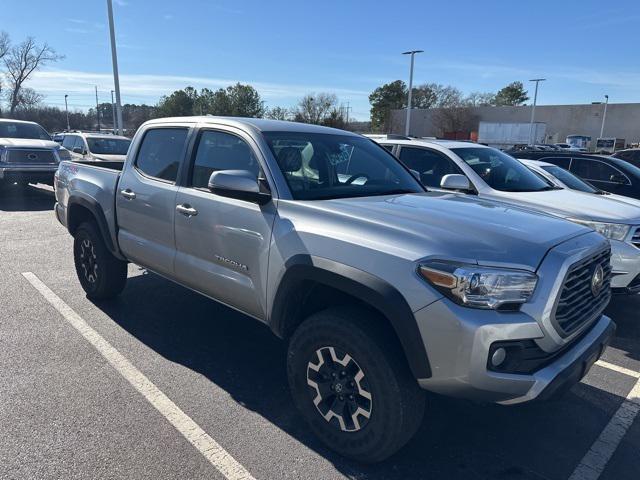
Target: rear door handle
x,y
187,210
128,194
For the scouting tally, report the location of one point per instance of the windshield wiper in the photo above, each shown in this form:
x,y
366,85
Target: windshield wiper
x,y
398,191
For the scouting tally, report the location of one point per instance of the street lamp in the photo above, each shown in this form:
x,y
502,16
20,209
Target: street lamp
x,y
66,109
533,109
604,114
408,122
114,58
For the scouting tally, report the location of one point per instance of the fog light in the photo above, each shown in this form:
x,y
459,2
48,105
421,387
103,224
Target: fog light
x,y
498,356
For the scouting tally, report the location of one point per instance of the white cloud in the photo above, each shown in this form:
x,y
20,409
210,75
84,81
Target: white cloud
x,y
149,88
76,30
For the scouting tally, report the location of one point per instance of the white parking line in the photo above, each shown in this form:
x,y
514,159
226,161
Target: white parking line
x,y
616,368
596,459
207,446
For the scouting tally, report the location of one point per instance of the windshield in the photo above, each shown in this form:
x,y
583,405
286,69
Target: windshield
x,y
23,130
501,171
569,179
108,146
320,166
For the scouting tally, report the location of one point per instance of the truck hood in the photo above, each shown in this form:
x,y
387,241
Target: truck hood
x,y
446,225
28,143
573,204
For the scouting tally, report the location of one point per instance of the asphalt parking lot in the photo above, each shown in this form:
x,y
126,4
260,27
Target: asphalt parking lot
x,y
67,412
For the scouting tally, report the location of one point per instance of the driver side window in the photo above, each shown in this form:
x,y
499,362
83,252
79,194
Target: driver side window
x,y
221,151
431,165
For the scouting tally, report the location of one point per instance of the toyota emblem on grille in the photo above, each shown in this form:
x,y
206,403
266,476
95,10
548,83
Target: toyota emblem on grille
x,y
32,156
597,280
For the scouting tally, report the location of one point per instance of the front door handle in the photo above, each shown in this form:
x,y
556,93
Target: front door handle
x,y
128,194
187,210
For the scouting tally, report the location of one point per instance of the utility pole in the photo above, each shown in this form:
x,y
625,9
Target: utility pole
x,y
408,122
97,109
347,110
66,109
113,112
604,115
533,109
114,59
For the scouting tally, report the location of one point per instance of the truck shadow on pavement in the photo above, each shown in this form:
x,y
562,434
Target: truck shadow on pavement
x,y
28,198
457,439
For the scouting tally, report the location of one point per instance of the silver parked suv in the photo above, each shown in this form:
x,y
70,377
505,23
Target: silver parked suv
x,y
380,288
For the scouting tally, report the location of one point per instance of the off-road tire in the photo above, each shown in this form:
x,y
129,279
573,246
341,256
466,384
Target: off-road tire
x,y
396,404
101,275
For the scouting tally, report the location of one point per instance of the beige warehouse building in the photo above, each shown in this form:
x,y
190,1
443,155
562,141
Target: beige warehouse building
x,y
622,120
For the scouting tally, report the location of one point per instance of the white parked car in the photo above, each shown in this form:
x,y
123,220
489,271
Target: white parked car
x,y
96,146
486,172
566,179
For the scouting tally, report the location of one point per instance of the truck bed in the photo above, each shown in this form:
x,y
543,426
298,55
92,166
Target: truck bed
x,y
94,183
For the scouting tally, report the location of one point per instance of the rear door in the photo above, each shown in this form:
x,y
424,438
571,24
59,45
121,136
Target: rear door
x,y
146,199
222,244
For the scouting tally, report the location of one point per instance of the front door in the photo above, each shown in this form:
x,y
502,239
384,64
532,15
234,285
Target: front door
x,y
222,244
602,175
146,199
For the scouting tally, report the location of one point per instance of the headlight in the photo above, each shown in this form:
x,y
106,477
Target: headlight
x,y
479,287
614,231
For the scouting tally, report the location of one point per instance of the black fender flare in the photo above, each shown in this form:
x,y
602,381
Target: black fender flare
x,y
368,288
98,214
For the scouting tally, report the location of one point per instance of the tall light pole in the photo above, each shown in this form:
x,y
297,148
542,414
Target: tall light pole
x,y
604,114
533,109
97,109
408,122
113,112
66,109
114,59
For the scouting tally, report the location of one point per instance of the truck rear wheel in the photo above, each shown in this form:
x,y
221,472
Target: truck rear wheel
x,y
101,274
353,386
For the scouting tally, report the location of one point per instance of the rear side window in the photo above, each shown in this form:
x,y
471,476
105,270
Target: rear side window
x,y
161,151
221,151
594,170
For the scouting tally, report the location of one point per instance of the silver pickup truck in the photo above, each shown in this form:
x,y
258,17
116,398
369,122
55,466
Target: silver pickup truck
x,y
27,153
382,290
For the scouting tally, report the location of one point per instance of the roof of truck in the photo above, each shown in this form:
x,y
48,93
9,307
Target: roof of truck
x,y
261,124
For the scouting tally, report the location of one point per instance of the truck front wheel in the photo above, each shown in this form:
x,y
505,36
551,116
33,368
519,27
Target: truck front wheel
x,y
350,381
101,274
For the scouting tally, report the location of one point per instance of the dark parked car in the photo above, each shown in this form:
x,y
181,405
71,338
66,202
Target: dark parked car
x,y
610,174
631,155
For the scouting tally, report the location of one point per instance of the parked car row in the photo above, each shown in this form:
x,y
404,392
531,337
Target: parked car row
x,y
28,154
476,286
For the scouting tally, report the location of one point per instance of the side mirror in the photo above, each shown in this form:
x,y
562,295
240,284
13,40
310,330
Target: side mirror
x,y
618,178
240,184
455,182
78,150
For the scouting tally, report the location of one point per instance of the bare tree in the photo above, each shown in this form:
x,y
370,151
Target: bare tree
x,y
29,98
5,44
314,108
21,61
278,113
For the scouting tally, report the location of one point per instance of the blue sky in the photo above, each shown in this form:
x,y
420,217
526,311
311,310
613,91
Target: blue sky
x,y
288,48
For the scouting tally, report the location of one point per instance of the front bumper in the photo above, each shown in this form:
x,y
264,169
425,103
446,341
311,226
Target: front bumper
x,y
625,260
458,341
31,174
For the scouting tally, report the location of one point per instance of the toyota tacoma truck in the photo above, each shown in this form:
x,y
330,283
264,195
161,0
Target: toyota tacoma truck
x,y
27,153
381,289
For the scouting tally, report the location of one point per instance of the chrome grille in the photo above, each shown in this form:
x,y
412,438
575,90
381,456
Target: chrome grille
x,y
31,156
636,237
577,304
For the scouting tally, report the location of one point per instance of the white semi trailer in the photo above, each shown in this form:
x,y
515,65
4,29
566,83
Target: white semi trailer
x,y
506,135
